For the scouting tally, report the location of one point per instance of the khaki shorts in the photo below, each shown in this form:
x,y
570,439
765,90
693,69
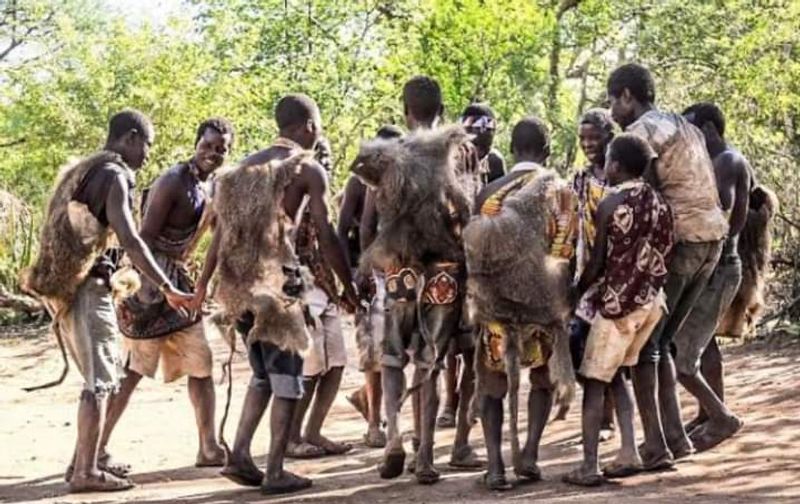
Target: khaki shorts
x,y
327,341
91,335
614,343
369,330
184,352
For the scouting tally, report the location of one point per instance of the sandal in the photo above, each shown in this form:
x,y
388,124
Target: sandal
x,y
304,451
288,483
619,470
106,482
578,477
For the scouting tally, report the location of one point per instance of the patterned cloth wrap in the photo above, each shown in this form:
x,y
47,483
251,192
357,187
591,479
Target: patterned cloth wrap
x,y
640,239
146,314
441,283
590,191
536,349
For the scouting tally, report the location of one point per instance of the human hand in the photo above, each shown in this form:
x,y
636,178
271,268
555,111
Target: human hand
x,y
179,300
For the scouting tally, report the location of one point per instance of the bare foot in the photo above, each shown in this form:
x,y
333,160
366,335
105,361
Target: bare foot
x,y
496,482
104,463
285,483
243,472
713,433
426,475
375,437
682,449
529,472
214,456
100,481
656,461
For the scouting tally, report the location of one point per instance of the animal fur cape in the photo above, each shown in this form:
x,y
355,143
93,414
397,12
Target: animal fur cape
x,y
417,196
254,249
513,280
71,239
755,251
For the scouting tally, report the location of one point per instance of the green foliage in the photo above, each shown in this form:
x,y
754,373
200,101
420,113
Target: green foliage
x,y
237,57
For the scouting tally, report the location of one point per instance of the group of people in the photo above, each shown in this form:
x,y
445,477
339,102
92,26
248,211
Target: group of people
x,y
444,257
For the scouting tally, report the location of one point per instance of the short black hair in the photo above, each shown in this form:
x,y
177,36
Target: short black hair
x,y
422,96
129,119
218,124
294,109
707,112
636,78
389,131
599,118
530,135
478,110
632,152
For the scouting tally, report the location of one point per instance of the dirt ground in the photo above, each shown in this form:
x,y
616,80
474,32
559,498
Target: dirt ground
x,y
158,437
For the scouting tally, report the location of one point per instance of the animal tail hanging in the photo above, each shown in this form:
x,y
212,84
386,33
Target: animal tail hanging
x,y
426,337
227,373
57,331
512,362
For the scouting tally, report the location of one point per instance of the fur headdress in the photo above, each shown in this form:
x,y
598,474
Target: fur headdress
x,y
71,239
420,204
255,251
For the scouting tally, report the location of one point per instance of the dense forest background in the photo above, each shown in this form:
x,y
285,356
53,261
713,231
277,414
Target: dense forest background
x,y
67,65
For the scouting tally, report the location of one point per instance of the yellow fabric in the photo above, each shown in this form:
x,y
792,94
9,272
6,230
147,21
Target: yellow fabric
x,y
536,348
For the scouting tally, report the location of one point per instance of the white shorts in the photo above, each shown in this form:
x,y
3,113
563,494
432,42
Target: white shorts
x,y
614,343
327,348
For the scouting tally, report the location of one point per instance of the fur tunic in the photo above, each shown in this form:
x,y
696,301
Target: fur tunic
x,y
514,280
255,252
71,239
421,205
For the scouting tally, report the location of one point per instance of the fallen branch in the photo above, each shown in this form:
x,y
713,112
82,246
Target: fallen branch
x,y
781,313
19,303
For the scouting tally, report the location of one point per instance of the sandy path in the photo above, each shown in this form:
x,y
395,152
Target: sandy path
x,y
157,435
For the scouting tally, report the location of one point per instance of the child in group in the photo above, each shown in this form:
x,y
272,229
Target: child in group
x,y
621,293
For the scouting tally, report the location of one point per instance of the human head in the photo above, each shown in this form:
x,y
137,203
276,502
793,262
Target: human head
x,y
478,119
709,119
322,153
627,158
212,143
595,130
630,90
422,102
131,134
530,141
299,119
389,131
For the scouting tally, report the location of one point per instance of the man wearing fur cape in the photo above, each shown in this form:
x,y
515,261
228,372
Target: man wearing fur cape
x,y
73,277
420,185
518,250
261,284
